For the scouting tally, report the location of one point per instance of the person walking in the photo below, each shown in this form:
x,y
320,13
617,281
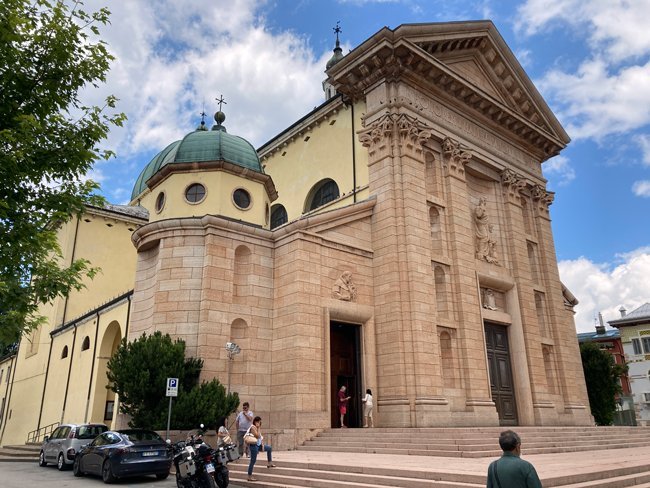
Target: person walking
x,y
243,423
343,405
510,471
367,409
256,430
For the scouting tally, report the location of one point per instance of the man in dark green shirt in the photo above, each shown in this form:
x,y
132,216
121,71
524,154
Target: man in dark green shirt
x,y
510,471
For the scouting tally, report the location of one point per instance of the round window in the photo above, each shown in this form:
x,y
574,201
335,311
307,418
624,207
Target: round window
x,y
242,198
160,201
195,193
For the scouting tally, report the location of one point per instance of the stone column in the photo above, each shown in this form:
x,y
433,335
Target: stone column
x,y
561,324
471,337
404,293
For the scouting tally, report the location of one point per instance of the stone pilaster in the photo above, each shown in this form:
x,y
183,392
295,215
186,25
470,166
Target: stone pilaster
x,y
407,343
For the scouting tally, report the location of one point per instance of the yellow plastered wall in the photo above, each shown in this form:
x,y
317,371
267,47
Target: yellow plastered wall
x,y
324,151
218,199
105,241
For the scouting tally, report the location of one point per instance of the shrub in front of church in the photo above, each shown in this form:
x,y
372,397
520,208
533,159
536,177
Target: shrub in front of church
x,y
138,373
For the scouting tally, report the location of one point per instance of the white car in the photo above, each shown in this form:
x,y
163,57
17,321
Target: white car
x,y
66,441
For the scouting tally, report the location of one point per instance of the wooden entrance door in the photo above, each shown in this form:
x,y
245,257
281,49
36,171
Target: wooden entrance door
x,y
345,369
498,354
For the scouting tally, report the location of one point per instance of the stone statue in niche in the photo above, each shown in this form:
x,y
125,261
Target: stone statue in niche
x,y
485,243
489,300
344,288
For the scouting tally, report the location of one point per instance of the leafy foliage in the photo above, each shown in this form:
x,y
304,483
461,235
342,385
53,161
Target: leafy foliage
x,y
48,141
601,376
138,373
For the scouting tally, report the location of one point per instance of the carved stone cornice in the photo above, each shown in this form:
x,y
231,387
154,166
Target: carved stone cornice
x,y
543,198
455,158
408,131
513,184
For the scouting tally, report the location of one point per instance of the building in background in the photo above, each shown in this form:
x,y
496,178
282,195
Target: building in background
x,y
635,335
397,238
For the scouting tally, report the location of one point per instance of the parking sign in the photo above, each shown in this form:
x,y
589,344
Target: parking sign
x,y
172,387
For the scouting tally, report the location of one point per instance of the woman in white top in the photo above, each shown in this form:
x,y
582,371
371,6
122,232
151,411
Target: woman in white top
x,y
367,409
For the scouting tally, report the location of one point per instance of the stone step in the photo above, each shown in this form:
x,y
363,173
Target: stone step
x,y
297,475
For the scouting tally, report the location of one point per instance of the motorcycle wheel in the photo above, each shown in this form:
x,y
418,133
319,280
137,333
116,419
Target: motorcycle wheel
x,y
179,481
207,481
222,477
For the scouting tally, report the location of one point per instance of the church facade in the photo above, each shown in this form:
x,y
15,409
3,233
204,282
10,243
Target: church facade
x,y
396,238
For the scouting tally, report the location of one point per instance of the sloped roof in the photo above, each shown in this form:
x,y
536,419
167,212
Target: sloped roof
x,y
595,336
641,314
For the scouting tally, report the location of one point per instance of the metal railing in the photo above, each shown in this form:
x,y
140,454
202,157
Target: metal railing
x,y
36,436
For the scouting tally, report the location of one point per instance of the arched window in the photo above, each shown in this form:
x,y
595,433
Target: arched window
x,y
64,353
85,344
278,216
323,192
447,359
441,291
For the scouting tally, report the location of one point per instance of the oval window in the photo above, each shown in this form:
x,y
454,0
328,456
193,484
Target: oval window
x,y
160,201
195,193
242,198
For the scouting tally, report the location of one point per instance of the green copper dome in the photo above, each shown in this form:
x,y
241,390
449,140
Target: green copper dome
x,y
202,146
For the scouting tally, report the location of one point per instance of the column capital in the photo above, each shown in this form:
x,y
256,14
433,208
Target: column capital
x,y
543,198
513,184
456,157
405,129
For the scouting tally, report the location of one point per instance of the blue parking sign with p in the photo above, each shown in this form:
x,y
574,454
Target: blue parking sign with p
x,y
172,387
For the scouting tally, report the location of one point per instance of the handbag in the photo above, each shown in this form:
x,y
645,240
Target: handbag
x,y
250,438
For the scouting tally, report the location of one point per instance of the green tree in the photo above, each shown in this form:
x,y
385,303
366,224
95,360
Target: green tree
x,y
49,53
601,377
138,373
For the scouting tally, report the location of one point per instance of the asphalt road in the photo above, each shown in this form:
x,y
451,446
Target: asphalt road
x,y
30,475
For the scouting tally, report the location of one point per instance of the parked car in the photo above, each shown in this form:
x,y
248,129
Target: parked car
x,y
124,453
62,446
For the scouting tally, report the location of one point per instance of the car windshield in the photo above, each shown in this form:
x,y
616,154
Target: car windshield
x,y
141,435
90,431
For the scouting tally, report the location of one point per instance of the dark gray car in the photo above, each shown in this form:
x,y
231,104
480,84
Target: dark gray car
x,y
66,441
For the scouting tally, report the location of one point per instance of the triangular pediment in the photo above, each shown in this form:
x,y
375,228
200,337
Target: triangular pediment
x,y
472,71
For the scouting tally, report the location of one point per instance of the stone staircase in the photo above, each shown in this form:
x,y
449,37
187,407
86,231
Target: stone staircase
x,y
399,463
27,453
475,442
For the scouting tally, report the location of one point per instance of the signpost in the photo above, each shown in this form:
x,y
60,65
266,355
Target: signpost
x,y
172,391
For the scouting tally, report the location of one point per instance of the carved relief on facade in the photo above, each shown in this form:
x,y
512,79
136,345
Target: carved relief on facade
x,y
543,198
344,288
513,184
484,234
412,133
492,299
455,157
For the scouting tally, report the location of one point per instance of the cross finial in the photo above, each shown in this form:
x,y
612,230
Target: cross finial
x,y
221,101
337,30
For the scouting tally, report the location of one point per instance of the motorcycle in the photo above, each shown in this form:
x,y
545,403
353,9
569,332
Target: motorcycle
x,y
200,466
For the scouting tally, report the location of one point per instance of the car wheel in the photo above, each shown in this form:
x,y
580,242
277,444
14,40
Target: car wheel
x,y
107,472
162,476
76,467
60,462
41,460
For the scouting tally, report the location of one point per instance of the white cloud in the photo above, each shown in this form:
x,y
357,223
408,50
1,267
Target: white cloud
x,y
618,28
641,188
644,142
604,287
559,167
174,55
596,102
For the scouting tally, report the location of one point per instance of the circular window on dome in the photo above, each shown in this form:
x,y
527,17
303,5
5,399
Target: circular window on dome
x,y
160,201
195,193
242,198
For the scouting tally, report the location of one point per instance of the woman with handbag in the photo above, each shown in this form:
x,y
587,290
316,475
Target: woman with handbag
x,y
255,441
223,436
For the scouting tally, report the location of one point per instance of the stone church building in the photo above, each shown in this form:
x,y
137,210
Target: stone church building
x,y
396,238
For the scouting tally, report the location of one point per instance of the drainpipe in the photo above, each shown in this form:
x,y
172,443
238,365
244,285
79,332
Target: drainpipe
x,y
67,383
354,158
92,369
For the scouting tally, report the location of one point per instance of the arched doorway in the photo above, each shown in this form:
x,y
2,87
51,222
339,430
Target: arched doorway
x,y
104,404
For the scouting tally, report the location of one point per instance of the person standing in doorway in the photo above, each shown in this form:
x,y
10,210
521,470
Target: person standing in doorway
x,y
367,409
243,423
510,471
343,405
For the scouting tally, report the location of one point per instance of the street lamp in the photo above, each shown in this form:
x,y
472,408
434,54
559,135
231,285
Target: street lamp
x,y
232,349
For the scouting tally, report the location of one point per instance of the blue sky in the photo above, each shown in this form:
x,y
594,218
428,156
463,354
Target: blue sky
x,y
590,59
